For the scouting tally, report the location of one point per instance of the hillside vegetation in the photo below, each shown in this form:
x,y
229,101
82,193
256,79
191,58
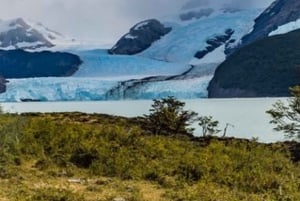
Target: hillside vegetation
x,y
75,156
264,68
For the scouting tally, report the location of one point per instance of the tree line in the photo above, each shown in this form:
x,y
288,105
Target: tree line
x,y
168,117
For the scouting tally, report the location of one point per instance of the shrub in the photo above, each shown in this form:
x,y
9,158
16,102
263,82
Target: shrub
x,y
287,117
168,117
208,125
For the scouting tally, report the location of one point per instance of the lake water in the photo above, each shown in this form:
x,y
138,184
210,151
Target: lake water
x,y
247,116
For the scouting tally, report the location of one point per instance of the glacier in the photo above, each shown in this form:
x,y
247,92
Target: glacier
x,y
172,56
57,89
185,39
88,89
181,88
98,63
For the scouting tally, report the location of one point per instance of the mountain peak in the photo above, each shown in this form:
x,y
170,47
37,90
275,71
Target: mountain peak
x,y
19,33
279,13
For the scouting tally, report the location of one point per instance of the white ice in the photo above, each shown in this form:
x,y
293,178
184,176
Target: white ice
x,y
181,44
291,26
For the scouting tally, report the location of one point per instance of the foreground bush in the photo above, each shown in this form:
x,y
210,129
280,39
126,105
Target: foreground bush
x,y
168,117
286,117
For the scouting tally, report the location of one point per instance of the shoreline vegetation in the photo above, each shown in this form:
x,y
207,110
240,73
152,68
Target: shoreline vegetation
x,y
95,157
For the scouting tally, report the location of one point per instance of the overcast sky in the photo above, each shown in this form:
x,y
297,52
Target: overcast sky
x,y
101,20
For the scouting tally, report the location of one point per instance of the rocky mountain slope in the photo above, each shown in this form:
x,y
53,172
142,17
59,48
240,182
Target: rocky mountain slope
x,y
21,34
22,64
266,61
18,35
178,41
264,68
279,13
140,37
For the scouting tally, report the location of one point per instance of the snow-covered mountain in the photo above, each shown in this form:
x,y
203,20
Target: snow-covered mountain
x,y
282,16
266,61
179,60
140,37
264,68
188,38
198,44
21,34
204,37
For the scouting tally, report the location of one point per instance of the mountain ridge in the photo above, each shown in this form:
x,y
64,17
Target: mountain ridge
x,y
279,13
263,73
19,33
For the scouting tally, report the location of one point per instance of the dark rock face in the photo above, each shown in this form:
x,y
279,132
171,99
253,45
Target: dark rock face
x,y
217,91
22,64
20,32
279,13
215,42
140,37
196,14
2,84
265,68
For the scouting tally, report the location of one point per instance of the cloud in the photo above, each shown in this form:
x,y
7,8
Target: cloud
x,y
102,20
88,19
229,3
251,3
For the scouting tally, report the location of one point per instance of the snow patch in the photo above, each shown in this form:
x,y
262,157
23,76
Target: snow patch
x,y
129,36
9,48
50,35
28,44
140,25
291,26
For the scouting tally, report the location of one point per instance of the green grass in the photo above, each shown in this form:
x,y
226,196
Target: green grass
x,y
113,157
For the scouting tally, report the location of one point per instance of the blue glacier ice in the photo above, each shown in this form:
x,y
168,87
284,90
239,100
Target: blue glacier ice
x,y
184,89
171,55
57,89
98,63
87,89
